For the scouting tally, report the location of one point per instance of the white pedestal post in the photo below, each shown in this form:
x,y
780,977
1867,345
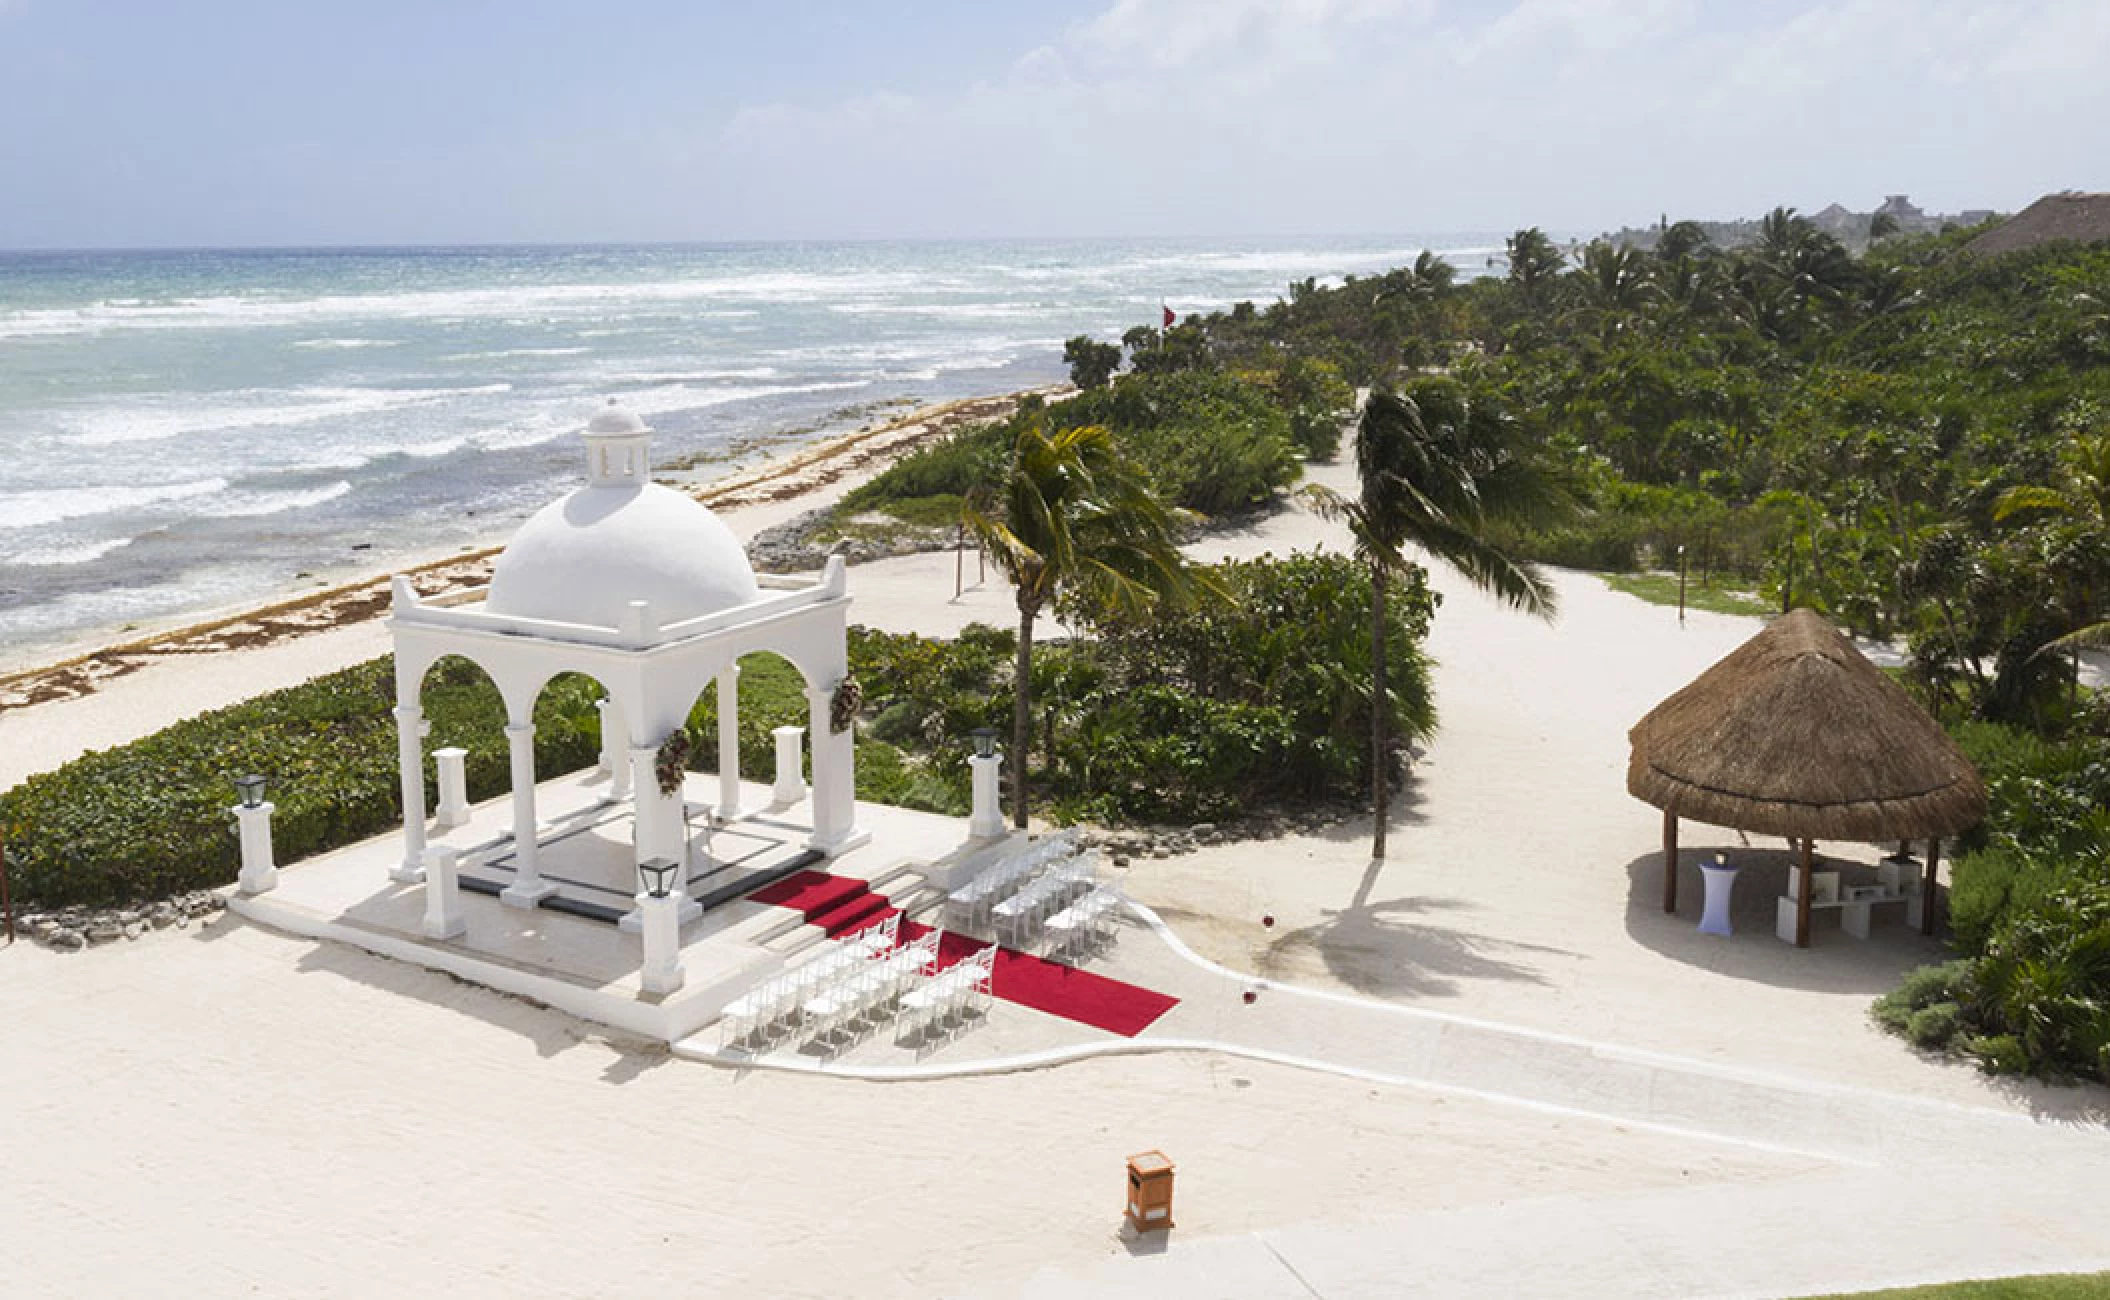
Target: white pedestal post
x,y
259,872
410,761
443,894
987,821
661,917
528,887
613,761
729,741
454,787
791,765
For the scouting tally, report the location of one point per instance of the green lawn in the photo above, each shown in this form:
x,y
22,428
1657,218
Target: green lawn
x,y
2060,1286
1662,589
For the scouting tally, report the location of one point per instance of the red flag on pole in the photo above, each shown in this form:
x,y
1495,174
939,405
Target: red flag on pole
x,y
1169,316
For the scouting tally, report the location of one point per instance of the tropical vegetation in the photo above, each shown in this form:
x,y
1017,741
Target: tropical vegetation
x,y
1071,516
1197,714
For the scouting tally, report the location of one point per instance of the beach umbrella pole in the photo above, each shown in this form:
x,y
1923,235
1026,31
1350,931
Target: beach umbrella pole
x,y
1670,861
1802,899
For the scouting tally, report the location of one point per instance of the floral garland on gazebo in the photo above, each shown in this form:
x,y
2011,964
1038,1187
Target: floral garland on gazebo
x,y
849,697
671,764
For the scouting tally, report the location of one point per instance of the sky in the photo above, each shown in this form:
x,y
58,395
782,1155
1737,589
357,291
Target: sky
x,y
169,123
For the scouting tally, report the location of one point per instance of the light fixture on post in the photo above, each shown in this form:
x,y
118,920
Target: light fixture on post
x,y
658,876
984,741
251,788
1681,584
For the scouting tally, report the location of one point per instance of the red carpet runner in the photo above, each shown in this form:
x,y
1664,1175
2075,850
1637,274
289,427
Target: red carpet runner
x,y
842,906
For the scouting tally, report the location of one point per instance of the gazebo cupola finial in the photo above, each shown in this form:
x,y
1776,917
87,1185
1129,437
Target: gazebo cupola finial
x,y
618,449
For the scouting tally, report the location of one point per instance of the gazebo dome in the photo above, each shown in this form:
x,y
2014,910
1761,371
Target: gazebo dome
x,y
621,538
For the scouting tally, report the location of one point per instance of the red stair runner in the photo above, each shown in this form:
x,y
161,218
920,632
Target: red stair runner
x,y
837,904
841,905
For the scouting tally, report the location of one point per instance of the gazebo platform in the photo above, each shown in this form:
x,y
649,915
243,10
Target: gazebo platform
x,y
568,952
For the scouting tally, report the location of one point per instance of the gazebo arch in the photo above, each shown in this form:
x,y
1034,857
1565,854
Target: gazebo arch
x,y
646,591
1795,733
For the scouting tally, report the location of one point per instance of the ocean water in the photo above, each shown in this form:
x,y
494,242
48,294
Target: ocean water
x,y
185,431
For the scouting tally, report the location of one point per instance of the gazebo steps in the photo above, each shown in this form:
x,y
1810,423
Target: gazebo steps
x,y
835,907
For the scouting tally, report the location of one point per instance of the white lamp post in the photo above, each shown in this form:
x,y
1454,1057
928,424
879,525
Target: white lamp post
x,y
253,818
987,821
661,916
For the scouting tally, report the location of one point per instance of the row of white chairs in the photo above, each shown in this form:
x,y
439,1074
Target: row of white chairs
x,y
969,909
1018,919
775,1010
950,1000
1079,929
864,996
838,998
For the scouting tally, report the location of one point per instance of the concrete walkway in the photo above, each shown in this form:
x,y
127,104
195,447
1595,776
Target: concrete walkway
x,y
1871,1188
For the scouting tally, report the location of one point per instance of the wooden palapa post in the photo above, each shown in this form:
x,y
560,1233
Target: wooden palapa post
x,y
1802,901
1927,887
1670,861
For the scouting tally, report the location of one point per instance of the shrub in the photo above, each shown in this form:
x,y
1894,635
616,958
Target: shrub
x,y
1934,1027
149,819
2045,979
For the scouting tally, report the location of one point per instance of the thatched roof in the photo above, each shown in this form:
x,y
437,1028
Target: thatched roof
x,y
2071,215
1795,733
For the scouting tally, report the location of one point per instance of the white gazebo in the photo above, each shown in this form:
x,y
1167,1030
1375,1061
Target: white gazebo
x,y
644,589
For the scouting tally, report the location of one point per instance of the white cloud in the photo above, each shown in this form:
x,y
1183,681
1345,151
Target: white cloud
x,y
1405,115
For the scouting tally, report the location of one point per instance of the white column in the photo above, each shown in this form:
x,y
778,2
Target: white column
x,y
729,741
454,787
259,872
987,821
658,823
834,801
612,759
657,831
410,762
443,894
528,887
791,765
662,973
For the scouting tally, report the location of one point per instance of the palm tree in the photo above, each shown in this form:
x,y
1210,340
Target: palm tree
x,y
1615,285
1533,261
1432,275
1072,513
2080,503
1436,466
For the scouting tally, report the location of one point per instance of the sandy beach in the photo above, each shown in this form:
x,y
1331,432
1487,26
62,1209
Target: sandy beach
x,y
254,1112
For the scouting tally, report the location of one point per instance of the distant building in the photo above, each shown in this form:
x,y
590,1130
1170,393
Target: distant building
x,y
1907,214
1840,223
2066,216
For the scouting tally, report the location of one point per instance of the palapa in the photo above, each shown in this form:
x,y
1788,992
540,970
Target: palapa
x,y
1795,733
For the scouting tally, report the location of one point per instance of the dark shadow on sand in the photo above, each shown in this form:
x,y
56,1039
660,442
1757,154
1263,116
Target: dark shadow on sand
x,y
1835,961
1378,948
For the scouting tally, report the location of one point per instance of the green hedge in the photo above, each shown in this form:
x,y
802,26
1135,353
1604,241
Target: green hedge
x,y
149,819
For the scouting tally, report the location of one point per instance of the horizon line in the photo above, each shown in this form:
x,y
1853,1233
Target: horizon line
x,y
56,250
